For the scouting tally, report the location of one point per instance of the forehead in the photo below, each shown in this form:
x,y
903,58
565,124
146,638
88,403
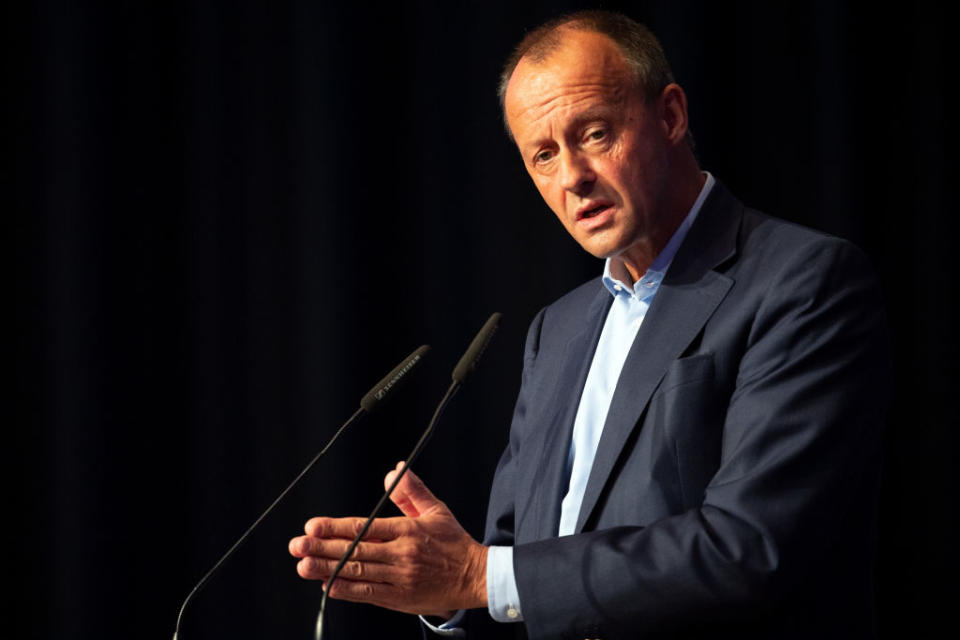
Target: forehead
x,y
586,68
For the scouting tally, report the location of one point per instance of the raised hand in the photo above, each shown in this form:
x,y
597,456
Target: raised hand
x,y
423,562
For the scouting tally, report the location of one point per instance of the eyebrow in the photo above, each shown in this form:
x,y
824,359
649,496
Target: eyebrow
x,y
591,114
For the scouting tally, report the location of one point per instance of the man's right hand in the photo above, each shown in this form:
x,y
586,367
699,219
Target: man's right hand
x,y
423,562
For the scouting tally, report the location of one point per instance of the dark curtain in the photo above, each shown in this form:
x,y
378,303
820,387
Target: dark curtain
x,y
229,220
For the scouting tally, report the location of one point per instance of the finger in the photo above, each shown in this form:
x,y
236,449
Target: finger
x,y
412,496
381,594
348,528
313,568
305,546
376,593
384,595
299,547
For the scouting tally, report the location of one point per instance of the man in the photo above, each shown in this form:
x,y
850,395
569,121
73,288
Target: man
x,y
695,447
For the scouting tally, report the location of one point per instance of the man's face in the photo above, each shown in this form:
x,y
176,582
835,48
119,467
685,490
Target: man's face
x,y
595,149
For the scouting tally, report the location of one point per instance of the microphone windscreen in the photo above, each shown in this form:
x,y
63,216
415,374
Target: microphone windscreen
x,y
382,389
469,360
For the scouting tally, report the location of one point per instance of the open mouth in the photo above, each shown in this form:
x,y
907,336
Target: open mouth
x,y
595,211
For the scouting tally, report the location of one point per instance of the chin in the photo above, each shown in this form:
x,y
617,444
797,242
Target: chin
x,y
600,252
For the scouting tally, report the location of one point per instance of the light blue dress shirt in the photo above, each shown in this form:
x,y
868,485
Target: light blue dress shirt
x,y
630,304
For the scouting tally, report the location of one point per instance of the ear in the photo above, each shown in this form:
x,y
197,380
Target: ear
x,y
673,113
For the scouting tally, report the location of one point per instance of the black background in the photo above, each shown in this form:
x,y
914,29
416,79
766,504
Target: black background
x,y
229,220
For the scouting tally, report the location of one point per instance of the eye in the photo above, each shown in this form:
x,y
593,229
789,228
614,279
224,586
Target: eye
x,y
543,156
596,134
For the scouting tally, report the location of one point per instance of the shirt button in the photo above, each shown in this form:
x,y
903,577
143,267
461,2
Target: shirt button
x,y
512,613
617,287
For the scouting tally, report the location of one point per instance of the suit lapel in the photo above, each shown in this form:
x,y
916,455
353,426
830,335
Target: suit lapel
x,y
686,299
553,475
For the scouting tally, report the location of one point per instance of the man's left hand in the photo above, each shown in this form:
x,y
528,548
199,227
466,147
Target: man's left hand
x,y
423,562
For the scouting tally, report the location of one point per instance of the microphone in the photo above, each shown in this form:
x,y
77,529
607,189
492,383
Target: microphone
x,y
468,362
466,365
373,399
379,392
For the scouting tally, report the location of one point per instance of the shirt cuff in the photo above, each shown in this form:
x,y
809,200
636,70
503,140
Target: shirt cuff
x,y
503,599
450,628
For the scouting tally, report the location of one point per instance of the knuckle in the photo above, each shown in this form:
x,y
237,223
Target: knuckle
x,y
391,529
407,552
425,542
357,569
410,575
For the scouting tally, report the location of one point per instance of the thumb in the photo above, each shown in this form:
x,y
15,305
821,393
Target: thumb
x,y
412,496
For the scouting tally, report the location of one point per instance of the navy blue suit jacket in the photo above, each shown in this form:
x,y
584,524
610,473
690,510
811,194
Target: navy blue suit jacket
x,y
734,487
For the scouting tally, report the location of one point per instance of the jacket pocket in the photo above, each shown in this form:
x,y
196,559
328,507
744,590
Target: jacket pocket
x,y
690,409
685,371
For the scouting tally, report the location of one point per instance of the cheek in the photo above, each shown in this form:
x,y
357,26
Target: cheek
x,y
640,175
552,196
614,168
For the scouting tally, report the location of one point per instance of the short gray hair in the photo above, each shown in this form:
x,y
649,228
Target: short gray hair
x,y
639,46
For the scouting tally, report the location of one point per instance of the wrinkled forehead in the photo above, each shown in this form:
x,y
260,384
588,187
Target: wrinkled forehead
x,y
585,65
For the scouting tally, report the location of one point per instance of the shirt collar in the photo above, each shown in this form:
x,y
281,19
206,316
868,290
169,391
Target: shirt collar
x,y
615,277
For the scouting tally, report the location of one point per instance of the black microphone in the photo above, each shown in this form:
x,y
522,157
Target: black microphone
x,y
469,360
373,399
378,393
467,363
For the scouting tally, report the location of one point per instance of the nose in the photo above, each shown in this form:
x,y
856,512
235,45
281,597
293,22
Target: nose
x,y
576,174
